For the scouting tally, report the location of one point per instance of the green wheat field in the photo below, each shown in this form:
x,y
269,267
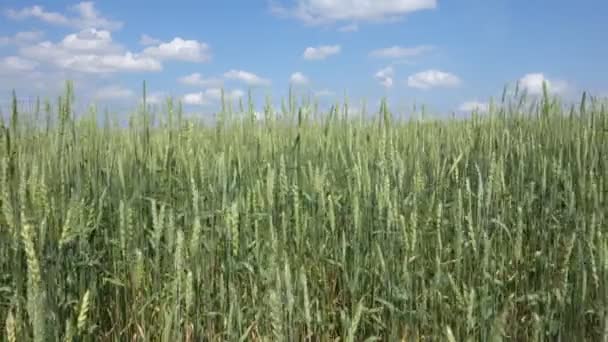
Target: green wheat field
x,y
305,226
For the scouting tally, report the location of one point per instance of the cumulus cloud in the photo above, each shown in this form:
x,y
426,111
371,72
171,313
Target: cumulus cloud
x,y
400,51
147,40
90,40
91,51
114,92
22,37
94,51
90,17
45,52
180,49
533,84
385,77
196,79
85,16
298,78
433,79
470,106
12,64
46,83
29,36
211,95
89,61
111,63
155,97
246,77
328,11
40,13
236,94
194,98
215,94
321,52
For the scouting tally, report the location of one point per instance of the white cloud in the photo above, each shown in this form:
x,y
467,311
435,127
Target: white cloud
x,y
180,49
47,83
194,99
349,28
470,106
45,52
327,11
155,97
16,64
211,95
321,52
432,79
91,63
197,79
90,40
400,51
385,77
298,78
114,92
113,63
147,40
22,37
215,94
29,36
236,94
533,84
40,13
91,51
246,77
86,16
89,17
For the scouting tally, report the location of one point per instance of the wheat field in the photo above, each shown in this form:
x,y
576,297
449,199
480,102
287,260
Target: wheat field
x,y
305,226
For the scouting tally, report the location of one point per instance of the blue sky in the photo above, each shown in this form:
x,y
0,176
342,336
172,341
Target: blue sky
x,y
449,55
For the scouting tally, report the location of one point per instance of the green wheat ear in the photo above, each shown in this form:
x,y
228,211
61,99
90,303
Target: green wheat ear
x,y
352,330
449,334
190,294
84,312
7,208
11,328
68,335
138,272
70,231
35,291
